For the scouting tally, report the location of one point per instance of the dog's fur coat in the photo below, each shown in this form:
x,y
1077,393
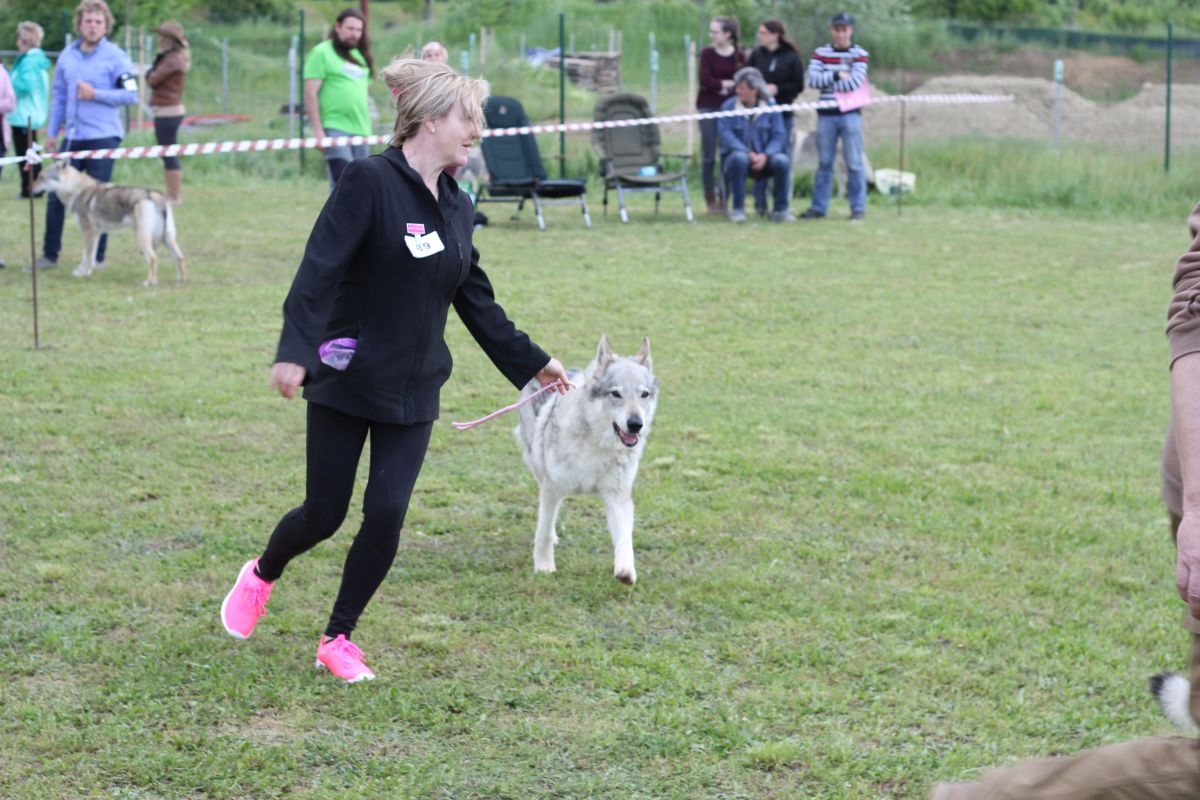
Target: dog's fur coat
x,y
589,441
103,207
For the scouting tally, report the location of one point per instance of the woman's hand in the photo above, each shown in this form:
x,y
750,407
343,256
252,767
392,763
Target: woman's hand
x,y
286,377
553,371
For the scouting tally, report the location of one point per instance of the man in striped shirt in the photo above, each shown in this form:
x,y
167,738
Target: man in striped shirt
x,y
834,69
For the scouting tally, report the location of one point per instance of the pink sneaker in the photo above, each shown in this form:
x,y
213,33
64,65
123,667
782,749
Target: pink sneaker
x,y
343,658
246,602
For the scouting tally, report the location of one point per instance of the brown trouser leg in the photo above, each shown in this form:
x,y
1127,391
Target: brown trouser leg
x,y
1161,768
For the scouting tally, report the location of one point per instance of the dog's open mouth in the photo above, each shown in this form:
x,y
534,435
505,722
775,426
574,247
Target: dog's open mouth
x,y
627,439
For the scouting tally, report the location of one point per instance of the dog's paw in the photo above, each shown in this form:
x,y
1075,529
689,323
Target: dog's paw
x,y
148,283
626,575
544,566
1173,692
81,272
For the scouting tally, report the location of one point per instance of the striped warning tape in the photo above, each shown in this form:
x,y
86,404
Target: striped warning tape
x,y
264,145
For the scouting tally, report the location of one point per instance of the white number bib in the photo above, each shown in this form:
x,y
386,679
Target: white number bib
x,y
424,246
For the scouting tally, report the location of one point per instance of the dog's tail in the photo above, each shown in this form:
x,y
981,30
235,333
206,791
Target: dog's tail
x,y
1173,692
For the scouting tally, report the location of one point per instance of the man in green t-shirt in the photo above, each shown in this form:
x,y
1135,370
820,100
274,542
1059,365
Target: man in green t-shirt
x,y
337,77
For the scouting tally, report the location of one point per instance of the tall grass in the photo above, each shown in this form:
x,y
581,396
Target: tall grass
x,y
1010,173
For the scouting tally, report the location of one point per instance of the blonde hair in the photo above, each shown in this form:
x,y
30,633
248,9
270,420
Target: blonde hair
x,y
31,32
424,90
94,7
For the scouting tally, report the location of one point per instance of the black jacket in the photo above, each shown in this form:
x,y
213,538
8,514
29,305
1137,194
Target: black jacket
x,y
782,68
358,279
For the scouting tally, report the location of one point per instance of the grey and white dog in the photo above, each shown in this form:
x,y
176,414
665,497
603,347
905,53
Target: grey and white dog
x,y
103,207
589,441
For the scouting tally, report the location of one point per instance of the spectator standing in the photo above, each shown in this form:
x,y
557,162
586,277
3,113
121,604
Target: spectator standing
x,y
31,82
840,66
166,78
337,80
718,63
435,52
779,60
92,80
388,256
754,146
8,103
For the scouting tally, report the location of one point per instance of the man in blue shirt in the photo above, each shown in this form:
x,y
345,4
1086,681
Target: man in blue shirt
x,y
92,80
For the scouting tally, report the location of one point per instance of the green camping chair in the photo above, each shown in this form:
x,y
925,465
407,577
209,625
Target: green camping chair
x,y
630,157
515,170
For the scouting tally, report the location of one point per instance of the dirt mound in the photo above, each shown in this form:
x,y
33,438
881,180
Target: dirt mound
x,y
1138,122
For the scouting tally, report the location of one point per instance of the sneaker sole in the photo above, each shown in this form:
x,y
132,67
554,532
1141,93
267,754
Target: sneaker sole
x,y
366,676
248,565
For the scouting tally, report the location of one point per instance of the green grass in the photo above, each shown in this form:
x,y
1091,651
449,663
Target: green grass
x,y
897,520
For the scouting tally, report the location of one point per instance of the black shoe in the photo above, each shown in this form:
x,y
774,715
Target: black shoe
x,y
3,264
811,214
858,216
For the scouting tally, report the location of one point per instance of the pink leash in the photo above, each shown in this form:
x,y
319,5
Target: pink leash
x,y
463,426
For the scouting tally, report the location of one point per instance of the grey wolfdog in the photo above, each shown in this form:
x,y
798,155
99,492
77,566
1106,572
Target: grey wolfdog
x,y
104,207
589,441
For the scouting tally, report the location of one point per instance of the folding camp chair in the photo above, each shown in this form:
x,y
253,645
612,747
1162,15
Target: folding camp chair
x,y
515,169
630,157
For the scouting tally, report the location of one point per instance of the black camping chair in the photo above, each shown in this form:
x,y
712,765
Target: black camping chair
x,y
515,169
630,157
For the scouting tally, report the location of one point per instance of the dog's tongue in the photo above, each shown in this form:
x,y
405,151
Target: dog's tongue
x,y
627,439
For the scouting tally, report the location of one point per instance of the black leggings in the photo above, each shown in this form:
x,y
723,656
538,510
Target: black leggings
x,y
335,443
23,138
166,131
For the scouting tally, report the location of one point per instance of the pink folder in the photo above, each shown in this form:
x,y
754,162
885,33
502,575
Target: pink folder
x,y
848,101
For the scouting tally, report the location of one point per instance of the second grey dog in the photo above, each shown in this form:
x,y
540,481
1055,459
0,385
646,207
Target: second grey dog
x,y
103,207
590,441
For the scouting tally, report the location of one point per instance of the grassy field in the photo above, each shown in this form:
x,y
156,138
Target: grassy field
x,y
897,521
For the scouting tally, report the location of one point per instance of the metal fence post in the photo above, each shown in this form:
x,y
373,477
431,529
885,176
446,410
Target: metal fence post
x,y
1167,143
293,101
653,75
562,94
300,60
225,75
1058,88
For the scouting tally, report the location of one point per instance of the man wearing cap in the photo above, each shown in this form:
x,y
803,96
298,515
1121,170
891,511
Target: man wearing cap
x,y
840,66
166,78
92,80
754,145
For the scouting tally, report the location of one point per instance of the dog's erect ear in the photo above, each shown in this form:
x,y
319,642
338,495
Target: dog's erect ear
x,y
643,354
604,355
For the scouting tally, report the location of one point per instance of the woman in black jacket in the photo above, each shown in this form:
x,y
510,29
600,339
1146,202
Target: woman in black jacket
x,y
363,332
778,59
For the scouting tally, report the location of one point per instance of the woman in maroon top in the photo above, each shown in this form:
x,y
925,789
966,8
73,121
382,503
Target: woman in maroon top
x,y
717,65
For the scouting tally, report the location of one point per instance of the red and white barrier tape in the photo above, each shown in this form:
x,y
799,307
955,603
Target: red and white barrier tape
x,y
263,145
